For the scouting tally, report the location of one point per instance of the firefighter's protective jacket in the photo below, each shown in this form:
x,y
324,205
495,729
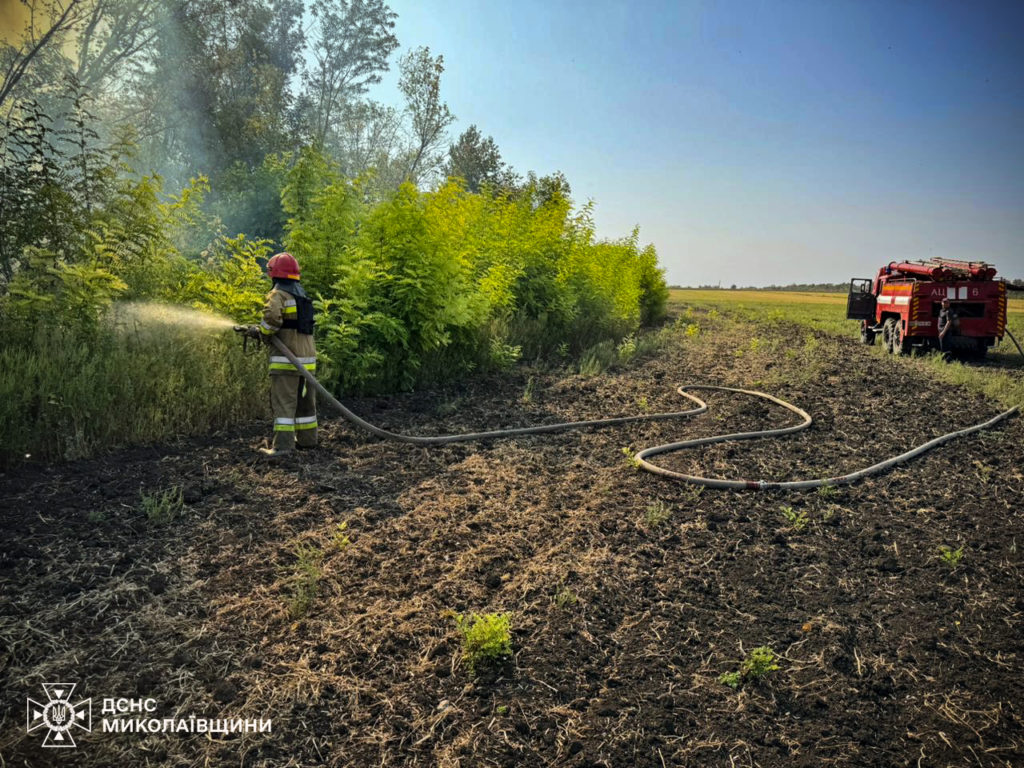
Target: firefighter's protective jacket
x,y
289,314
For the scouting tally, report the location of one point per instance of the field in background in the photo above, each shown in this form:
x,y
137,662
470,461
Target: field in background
x,y
1000,377
826,311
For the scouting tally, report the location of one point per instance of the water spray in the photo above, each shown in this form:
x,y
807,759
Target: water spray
x,y
133,315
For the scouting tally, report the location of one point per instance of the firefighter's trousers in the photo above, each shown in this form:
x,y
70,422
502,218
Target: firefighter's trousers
x,y
294,405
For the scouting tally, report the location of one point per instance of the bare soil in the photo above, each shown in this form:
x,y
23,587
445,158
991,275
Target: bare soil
x,y
622,623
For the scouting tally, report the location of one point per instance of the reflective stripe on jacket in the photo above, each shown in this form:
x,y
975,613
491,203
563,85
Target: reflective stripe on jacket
x,y
281,306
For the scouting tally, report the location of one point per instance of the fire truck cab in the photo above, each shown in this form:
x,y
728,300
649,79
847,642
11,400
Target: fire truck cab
x,y
901,304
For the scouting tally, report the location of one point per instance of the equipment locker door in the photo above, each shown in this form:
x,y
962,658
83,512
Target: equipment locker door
x,y
860,302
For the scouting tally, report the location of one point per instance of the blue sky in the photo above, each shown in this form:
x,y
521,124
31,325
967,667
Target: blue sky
x,y
754,142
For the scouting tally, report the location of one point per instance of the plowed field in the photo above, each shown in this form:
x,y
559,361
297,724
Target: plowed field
x,y
629,595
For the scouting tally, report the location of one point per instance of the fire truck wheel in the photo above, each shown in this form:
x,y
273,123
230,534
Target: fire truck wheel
x,y
866,336
898,344
887,330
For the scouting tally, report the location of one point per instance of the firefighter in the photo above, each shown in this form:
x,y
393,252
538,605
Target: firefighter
x,y
947,325
288,314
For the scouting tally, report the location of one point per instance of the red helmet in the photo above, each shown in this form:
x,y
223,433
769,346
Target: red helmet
x,y
283,265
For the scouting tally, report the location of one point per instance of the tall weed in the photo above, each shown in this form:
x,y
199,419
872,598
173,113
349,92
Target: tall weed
x,y
67,395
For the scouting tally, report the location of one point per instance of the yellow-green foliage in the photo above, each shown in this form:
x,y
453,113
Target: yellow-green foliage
x,y
131,249
427,285
423,286
759,663
950,556
485,639
228,278
324,211
71,382
305,579
51,290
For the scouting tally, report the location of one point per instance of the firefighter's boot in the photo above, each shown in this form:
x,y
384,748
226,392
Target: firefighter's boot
x,y
274,453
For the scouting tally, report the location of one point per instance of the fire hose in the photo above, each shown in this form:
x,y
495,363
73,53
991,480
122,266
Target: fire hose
x,y
1014,340
641,456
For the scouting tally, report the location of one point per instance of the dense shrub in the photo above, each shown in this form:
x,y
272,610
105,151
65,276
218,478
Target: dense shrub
x,y
428,285
420,287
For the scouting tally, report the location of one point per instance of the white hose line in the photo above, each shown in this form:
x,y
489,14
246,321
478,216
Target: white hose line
x,y
641,456
792,485
445,439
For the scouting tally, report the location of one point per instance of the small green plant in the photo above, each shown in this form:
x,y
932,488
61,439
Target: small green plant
x,y
732,679
448,408
340,539
565,598
162,507
306,575
485,639
627,349
504,356
759,663
692,494
631,459
501,709
96,515
656,513
984,471
796,519
828,491
950,556
527,397
643,405
599,358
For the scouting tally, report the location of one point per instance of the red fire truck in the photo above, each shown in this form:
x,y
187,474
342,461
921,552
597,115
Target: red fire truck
x,y
902,305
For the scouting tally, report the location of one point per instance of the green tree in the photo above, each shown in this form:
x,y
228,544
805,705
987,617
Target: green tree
x,y
478,161
544,190
215,86
369,138
112,34
46,28
249,199
350,51
51,180
87,45
420,84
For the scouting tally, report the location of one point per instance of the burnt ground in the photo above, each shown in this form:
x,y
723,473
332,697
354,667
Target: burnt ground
x,y
629,594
